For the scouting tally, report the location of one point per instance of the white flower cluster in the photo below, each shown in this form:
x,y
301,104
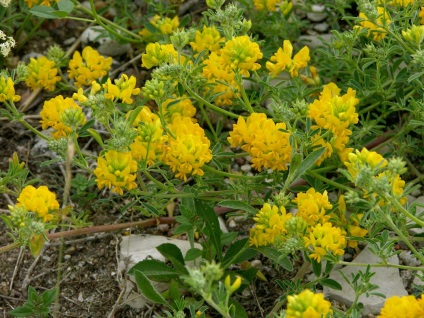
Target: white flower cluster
x,y
8,41
5,3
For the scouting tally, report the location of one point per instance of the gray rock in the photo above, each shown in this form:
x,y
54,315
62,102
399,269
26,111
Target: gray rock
x,y
409,259
315,41
387,278
318,13
321,27
419,209
99,38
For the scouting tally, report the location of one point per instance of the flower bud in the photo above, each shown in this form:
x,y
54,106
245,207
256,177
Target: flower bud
x,y
215,4
231,288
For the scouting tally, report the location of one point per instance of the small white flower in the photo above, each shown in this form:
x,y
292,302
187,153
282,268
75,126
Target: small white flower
x,y
8,43
5,3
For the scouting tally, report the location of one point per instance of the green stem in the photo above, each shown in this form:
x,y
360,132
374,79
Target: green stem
x,y
159,184
381,265
208,122
10,247
245,98
328,181
408,214
35,131
226,174
211,106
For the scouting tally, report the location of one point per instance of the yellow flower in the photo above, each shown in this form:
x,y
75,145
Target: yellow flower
x,y
264,140
209,39
116,171
312,206
375,30
7,90
188,149
334,112
402,3
421,15
50,115
268,5
308,305
396,184
79,96
165,25
48,3
39,200
403,307
123,88
241,54
284,62
149,143
89,66
359,160
157,54
415,34
323,239
269,227
42,73
182,107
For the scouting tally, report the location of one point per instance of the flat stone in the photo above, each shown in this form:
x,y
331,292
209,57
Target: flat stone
x,y
315,41
134,249
321,27
387,278
318,13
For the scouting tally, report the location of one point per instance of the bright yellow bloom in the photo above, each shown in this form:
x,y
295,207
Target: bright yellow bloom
x,y
323,239
334,112
421,15
268,5
7,90
231,288
116,171
269,227
52,110
48,3
39,200
79,96
403,307
415,34
179,108
123,88
264,140
284,62
209,39
402,3
149,143
188,149
312,206
89,66
157,54
165,25
396,183
241,54
376,30
364,158
308,305
42,73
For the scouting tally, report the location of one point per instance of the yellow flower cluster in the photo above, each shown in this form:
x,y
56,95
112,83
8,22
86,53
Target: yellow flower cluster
x,y
42,73
89,66
403,307
148,145
334,113
324,239
165,25
308,305
209,39
312,206
48,3
51,115
421,15
270,225
376,29
241,54
39,200
157,54
116,170
179,108
264,140
187,149
284,62
7,90
123,88
268,5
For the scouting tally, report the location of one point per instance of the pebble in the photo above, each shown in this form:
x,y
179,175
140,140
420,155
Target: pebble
x,y
318,13
256,263
164,228
321,27
246,168
232,223
409,259
66,257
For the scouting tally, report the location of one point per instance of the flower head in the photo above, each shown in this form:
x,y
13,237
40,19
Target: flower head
x,y
241,54
123,88
39,200
209,39
187,149
403,307
375,27
307,305
157,54
7,90
7,41
284,62
268,5
116,171
312,206
89,66
165,25
47,3
42,73
359,160
172,108
51,115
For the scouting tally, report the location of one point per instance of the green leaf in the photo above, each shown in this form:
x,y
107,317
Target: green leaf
x,y
23,311
133,115
238,205
150,208
155,270
331,283
148,290
174,291
316,267
240,312
96,136
193,253
308,162
43,12
60,13
66,5
49,296
212,229
174,255
238,253
276,256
